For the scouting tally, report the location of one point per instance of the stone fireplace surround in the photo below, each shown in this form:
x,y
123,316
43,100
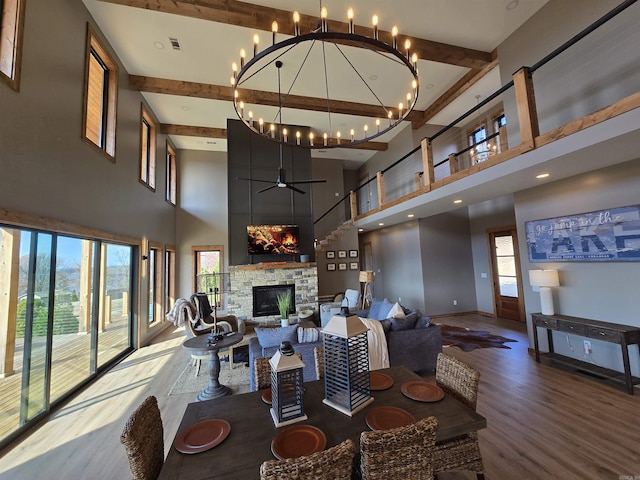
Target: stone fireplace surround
x,y
244,277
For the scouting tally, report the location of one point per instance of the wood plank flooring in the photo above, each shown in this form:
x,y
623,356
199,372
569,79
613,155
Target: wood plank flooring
x,y
543,423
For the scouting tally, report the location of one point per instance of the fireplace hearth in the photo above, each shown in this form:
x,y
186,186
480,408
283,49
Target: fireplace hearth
x,y
265,299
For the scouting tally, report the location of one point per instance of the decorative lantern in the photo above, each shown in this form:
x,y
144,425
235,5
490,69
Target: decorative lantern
x,y
287,392
346,363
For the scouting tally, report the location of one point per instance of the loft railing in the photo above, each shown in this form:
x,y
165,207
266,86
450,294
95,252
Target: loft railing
x,y
573,63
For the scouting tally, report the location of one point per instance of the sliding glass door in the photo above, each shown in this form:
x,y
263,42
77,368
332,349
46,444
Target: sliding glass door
x,y
65,312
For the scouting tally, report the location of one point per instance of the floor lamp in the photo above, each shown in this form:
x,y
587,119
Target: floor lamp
x,y
366,277
545,279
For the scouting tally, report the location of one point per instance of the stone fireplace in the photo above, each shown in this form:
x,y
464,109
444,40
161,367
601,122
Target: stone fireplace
x,y
265,299
303,277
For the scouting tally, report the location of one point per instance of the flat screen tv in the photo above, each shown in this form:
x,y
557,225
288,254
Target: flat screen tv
x,y
273,239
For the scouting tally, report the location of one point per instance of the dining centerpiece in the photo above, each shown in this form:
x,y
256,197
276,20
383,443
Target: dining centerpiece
x,y
347,386
287,392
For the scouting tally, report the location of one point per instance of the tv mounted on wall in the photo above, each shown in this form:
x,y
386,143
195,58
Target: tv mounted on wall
x,y
273,239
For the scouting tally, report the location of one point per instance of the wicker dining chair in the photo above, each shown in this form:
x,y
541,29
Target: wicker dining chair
x,y
335,463
143,440
318,356
262,372
404,452
461,381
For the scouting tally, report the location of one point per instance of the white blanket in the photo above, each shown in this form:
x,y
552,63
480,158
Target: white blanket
x,y
177,313
378,353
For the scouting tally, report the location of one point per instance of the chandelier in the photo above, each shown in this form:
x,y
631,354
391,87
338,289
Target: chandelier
x,y
323,72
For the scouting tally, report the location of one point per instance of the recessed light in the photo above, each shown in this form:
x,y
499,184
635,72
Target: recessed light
x,y
373,78
210,142
512,4
381,224
158,45
457,201
361,229
185,108
410,215
542,175
429,85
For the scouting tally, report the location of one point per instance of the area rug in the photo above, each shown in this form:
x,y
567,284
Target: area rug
x,y
468,340
187,381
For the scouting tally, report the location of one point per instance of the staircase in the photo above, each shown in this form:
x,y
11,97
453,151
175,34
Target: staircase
x,y
323,244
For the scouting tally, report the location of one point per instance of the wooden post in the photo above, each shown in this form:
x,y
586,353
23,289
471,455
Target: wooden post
x,y
86,277
380,184
428,175
107,309
353,200
102,289
504,142
452,163
526,105
9,269
418,179
125,304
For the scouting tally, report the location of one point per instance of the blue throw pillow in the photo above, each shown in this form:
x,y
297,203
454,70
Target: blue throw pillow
x,y
385,308
375,309
423,320
273,337
407,322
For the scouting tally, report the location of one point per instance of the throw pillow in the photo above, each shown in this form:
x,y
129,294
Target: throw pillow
x,y
404,323
273,337
423,320
308,335
396,311
386,325
374,311
385,309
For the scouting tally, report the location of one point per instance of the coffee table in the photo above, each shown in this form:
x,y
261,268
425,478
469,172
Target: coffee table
x,y
203,343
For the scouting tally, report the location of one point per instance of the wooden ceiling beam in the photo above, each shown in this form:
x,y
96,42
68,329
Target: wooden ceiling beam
x,y
256,97
212,132
260,17
457,89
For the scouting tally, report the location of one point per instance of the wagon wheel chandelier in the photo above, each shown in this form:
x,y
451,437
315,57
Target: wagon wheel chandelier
x,y
327,62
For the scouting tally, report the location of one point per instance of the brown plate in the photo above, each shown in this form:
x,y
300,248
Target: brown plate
x,y
202,436
384,418
422,391
266,396
380,381
297,441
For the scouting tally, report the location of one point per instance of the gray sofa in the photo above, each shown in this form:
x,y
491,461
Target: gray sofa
x,y
412,341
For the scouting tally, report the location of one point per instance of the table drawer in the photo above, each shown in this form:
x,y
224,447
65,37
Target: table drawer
x,y
576,328
603,334
545,322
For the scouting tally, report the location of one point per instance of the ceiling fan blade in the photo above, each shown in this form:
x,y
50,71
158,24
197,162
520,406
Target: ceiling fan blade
x,y
254,180
265,189
307,181
295,189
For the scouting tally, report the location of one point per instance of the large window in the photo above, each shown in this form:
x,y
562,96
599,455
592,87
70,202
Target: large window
x,y
154,258
65,313
169,276
147,149
101,90
11,33
171,174
207,260
478,144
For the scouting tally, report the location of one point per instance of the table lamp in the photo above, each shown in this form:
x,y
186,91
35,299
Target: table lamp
x,y
545,279
366,277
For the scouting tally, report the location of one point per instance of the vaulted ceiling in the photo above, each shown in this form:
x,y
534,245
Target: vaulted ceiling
x,y
188,87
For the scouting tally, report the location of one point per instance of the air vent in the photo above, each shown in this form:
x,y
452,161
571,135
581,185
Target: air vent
x,y
175,43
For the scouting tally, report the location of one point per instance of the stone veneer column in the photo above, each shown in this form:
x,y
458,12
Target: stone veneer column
x,y
244,277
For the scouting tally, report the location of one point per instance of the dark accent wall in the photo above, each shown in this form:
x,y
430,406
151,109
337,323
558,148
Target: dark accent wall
x,y
251,156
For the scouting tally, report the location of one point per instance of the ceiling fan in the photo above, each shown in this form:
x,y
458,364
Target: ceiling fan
x,y
281,181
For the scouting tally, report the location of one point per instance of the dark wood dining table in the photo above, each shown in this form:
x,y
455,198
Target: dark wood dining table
x,y
240,455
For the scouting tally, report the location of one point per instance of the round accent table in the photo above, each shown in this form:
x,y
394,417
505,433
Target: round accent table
x,y
202,343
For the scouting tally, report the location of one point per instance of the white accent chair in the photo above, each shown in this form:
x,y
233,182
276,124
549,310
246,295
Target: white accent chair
x,y
350,298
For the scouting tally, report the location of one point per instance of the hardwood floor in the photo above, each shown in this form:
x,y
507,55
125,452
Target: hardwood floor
x,y
542,422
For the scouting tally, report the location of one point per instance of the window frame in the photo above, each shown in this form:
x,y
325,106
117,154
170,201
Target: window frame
x,y
171,192
148,164
195,265
169,276
95,47
155,288
16,39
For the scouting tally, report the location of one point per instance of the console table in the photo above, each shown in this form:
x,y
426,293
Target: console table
x,y
623,335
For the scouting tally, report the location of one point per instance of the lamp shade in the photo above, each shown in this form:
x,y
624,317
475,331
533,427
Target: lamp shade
x,y
366,276
544,278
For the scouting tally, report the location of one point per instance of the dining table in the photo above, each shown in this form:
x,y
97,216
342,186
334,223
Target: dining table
x,y
251,430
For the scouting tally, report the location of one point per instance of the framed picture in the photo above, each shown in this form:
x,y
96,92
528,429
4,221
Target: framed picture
x,y
353,253
602,236
331,266
342,266
353,266
342,254
331,254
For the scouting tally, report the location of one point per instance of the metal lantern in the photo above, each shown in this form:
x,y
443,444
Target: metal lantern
x,y
346,363
287,391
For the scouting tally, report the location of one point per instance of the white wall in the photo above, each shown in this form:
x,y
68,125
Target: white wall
x,y
606,291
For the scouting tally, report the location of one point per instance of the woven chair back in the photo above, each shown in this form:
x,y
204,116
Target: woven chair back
x,y
458,379
143,440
